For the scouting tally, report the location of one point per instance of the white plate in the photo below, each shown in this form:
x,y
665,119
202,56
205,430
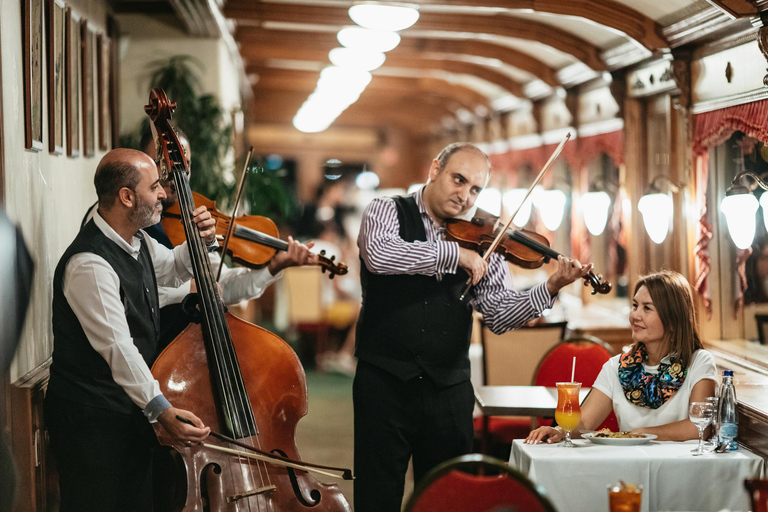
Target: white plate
x,y
619,441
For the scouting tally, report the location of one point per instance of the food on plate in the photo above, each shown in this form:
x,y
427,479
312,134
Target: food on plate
x,y
606,432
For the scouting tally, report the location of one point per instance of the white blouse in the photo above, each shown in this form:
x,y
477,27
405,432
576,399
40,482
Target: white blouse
x,y
631,416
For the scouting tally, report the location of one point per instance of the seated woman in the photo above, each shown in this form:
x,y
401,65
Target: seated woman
x,y
651,386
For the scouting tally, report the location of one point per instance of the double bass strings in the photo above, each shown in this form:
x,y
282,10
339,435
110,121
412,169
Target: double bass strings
x,y
219,335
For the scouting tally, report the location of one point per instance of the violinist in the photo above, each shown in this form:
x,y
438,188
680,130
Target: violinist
x,y
102,397
237,284
412,394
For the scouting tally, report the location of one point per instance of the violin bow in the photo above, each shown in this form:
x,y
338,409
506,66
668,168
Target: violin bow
x,y
234,211
502,232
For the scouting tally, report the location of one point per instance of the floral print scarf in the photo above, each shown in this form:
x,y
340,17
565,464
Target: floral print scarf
x,y
646,389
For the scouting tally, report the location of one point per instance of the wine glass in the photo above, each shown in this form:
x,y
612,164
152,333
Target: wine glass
x,y
568,412
700,414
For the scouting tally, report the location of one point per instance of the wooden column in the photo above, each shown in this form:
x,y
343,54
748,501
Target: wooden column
x,y
635,144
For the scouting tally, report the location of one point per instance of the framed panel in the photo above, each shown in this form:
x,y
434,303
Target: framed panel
x,y
56,36
103,74
72,80
89,88
33,74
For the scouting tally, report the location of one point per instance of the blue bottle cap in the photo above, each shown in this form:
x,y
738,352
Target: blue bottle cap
x,y
727,373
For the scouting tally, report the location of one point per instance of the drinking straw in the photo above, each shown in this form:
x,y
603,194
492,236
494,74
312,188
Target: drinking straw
x,y
573,369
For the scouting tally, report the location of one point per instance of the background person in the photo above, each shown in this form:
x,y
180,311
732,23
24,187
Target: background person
x,y
651,386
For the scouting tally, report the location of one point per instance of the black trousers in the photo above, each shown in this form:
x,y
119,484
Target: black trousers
x,y
395,420
103,457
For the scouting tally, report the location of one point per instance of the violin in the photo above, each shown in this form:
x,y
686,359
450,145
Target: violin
x,y
243,381
526,249
254,241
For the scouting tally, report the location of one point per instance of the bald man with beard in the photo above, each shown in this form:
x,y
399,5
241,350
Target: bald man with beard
x,y
102,397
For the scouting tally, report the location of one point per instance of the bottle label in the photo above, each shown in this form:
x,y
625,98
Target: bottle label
x,y
728,432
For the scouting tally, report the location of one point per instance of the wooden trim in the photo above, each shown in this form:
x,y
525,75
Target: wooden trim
x,y
249,13
730,101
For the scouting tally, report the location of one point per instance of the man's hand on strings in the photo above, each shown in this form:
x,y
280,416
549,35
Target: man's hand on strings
x,y
568,270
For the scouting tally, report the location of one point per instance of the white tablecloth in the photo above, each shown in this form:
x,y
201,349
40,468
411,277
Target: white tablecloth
x,y
576,479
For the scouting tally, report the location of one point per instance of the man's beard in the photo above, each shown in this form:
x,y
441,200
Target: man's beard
x,y
145,214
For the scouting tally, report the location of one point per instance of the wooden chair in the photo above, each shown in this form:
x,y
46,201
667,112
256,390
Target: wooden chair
x,y
476,483
590,353
510,359
758,494
303,288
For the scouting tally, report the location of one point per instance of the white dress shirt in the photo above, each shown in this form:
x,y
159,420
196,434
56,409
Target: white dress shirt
x,y
92,289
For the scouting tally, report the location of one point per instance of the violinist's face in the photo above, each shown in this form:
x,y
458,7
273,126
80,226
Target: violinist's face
x,y
148,196
452,192
168,185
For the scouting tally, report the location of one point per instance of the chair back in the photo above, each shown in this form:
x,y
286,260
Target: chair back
x,y
476,483
590,353
758,493
303,287
510,359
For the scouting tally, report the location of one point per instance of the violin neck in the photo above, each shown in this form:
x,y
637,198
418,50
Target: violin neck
x,y
519,237
260,238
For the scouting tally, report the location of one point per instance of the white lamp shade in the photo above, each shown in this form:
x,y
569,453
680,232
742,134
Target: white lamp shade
x,y
512,199
360,38
356,59
595,206
764,205
413,188
378,16
367,180
551,204
739,211
490,201
657,215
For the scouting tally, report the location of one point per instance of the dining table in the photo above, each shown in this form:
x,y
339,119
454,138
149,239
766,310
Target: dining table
x,y
673,479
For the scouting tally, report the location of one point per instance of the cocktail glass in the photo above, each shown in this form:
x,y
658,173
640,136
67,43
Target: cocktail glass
x,y
568,412
625,497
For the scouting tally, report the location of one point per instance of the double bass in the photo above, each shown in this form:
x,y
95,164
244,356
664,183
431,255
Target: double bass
x,y
243,381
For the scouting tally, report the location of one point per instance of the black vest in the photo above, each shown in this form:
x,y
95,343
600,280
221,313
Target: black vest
x,y
78,372
411,324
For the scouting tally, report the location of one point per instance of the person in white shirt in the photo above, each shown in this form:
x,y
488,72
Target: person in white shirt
x,y
102,396
651,386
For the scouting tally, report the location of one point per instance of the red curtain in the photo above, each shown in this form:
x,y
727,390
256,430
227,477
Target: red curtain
x,y
711,129
591,147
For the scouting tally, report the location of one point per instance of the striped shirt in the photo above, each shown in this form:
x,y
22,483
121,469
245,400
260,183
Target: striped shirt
x,y
384,252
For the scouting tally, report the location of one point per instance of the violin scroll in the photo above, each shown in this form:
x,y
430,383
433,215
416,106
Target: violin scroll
x,y
333,268
595,281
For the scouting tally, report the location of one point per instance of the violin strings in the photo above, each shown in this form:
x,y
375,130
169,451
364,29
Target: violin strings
x,y
211,304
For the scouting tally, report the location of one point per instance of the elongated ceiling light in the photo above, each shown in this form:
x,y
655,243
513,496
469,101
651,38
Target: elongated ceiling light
x,y
384,16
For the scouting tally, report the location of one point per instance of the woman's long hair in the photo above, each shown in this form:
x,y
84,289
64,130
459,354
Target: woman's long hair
x,y
672,297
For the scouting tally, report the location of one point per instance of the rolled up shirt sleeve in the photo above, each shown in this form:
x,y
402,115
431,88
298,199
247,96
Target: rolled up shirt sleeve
x,y
503,308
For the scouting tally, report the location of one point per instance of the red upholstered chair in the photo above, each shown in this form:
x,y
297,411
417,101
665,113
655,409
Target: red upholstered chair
x,y
758,494
590,352
476,483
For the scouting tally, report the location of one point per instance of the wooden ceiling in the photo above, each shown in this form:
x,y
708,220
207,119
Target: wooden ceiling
x,y
460,58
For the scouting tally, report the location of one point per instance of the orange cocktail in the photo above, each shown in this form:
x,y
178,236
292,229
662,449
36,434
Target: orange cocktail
x,y
568,412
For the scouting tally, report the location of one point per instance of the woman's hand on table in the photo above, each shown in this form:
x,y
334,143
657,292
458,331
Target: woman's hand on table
x,y
548,434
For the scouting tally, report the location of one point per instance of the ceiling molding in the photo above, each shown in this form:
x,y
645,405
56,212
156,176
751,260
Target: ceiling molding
x,y
262,54
737,8
698,26
253,13
306,81
611,14
411,45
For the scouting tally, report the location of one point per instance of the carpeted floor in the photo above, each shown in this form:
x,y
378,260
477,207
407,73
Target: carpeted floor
x,y
325,434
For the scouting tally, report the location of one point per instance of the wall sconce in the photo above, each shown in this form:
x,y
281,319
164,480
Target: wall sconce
x,y
595,207
739,207
490,201
550,204
656,207
512,199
